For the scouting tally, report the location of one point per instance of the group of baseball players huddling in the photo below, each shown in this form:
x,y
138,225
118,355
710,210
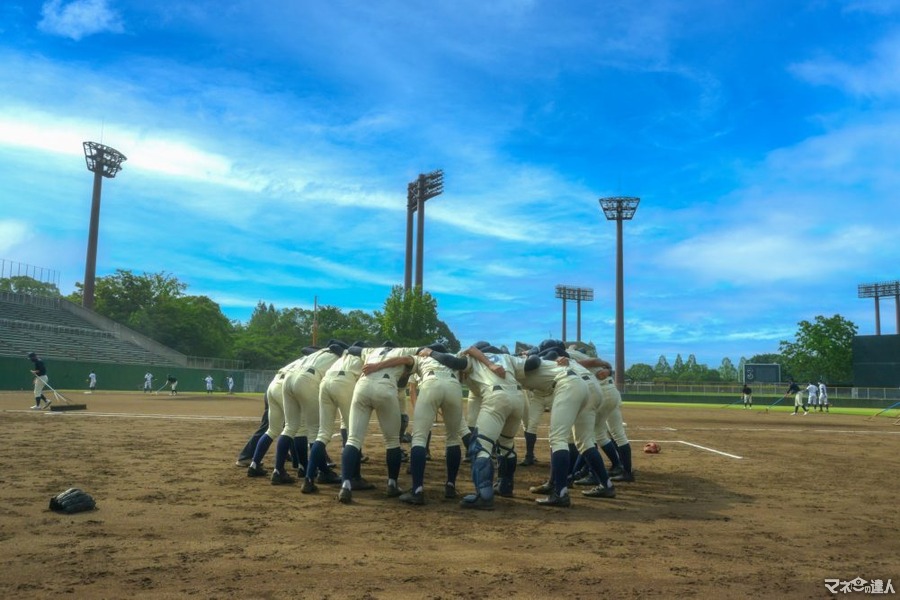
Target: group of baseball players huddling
x,y
504,392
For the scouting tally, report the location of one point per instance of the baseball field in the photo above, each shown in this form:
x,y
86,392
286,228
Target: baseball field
x,y
738,504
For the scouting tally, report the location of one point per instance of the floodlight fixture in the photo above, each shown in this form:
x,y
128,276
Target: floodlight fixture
x,y
425,187
878,291
102,161
578,294
618,209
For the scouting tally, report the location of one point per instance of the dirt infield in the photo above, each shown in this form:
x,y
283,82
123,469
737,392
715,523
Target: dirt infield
x,y
738,504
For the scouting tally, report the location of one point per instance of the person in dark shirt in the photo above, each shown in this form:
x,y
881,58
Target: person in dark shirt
x,y
747,396
40,380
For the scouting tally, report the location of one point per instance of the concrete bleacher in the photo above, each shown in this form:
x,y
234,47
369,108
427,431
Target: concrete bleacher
x,y
34,324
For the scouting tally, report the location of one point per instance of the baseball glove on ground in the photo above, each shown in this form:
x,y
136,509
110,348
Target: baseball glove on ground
x,y
72,500
651,448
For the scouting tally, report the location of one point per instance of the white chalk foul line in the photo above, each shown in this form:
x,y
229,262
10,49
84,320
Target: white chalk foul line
x,y
713,450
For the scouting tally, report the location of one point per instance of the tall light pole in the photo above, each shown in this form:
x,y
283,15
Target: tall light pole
x,y
618,209
102,161
425,187
578,294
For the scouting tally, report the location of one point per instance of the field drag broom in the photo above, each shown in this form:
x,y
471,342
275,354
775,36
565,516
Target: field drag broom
x,y
69,405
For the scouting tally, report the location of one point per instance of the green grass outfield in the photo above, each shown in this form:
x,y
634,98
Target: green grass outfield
x,y
780,408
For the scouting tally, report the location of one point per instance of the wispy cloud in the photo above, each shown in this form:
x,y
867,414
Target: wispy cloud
x,y
79,18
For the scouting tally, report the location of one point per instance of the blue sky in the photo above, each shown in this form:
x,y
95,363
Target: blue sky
x,y
270,144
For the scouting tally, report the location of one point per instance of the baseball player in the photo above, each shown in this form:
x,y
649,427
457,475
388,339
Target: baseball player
x,y
229,381
300,404
812,391
823,397
491,373
572,412
92,382
608,421
40,380
335,396
794,389
148,382
439,388
747,396
209,383
172,382
375,391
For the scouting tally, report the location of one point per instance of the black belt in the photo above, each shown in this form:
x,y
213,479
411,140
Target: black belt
x,y
586,377
385,376
570,372
341,373
433,374
313,371
497,388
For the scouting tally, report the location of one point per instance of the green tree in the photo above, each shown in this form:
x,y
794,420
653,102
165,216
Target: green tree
x,y
123,295
22,284
678,367
662,369
640,372
821,350
727,371
410,318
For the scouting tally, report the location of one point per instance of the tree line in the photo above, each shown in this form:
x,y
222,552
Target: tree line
x,y
157,305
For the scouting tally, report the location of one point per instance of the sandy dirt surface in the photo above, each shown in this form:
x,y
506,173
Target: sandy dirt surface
x,y
738,504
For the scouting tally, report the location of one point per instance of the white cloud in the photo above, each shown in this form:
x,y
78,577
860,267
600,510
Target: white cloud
x,y
79,18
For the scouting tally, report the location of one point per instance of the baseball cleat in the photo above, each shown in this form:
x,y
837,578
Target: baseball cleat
x,y
600,492
36,407
590,479
528,461
616,470
279,478
449,491
393,491
626,477
309,487
242,462
554,500
360,483
476,502
415,498
328,478
544,488
257,471
345,496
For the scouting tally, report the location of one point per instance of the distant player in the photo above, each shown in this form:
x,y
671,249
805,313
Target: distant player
x,y
794,389
40,380
812,391
92,382
172,382
148,382
747,396
209,384
823,397
229,381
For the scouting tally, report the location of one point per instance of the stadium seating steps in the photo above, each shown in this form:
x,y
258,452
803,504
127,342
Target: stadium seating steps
x,y
56,333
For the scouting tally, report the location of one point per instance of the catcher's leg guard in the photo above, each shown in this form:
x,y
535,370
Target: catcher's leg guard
x,y
483,477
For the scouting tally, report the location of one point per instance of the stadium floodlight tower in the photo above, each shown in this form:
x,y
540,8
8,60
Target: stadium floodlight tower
x,y
102,161
618,209
425,187
578,294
